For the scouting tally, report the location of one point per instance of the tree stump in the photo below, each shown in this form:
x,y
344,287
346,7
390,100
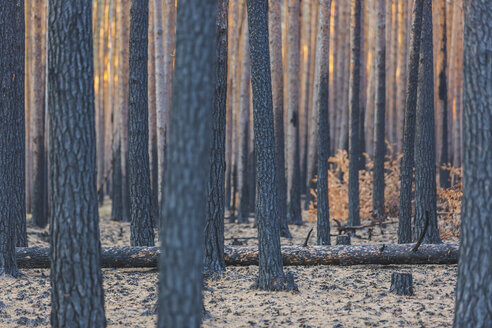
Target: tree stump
x,y
343,240
401,283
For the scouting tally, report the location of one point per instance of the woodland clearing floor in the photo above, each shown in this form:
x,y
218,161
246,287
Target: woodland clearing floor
x,y
329,296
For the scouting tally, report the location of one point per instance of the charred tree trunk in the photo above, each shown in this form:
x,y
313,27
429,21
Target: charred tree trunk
x,y
443,97
142,232
293,148
425,139
76,278
12,134
407,162
378,210
354,144
147,257
473,291
186,174
39,217
402,284
321,89
243,120
275,33
214,227
271,275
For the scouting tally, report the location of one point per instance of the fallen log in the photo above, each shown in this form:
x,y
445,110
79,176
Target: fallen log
x,y
145,257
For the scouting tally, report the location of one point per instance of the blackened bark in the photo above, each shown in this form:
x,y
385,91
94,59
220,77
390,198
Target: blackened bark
x,y
379,119
444,181
322,73
407,162
401,283
117,195
187,172
275,39
243,144
425,138
294,214
77,298
39,160
271,273
12,153
354,153
474,285
142,232
214,227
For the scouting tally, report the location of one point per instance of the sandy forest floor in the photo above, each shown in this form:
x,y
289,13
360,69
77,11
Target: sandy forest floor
x,y
329,296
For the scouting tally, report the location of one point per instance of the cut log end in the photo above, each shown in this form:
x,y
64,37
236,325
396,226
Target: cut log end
x,y
343,240
402,283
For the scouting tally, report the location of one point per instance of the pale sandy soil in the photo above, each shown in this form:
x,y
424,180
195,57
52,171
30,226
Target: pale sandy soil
x,y
329,296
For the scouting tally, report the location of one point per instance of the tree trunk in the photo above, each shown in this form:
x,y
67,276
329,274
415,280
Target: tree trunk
x,y
275,33
76,280
425,139
147,257
378,209
407,162
153,161
402,77
187,172
123,78
354,206
473,291
243,133
270,269
321,103
142,232
293,160
214,228
443,97
12,135
165,25
39,217
116,184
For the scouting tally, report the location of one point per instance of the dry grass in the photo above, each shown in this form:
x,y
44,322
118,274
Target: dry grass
x,y
449,200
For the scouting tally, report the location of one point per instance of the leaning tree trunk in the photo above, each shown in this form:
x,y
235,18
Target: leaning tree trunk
x,y
38,190
243,124
407,162
425,139
142,232
76,280
214,227
275,39
474,285
185,190
293,161
12,133
321,91
354,206
378,210
270,269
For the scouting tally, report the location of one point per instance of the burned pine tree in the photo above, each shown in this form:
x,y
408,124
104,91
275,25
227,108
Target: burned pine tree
x,y
354,143
214,227
142,232
12,134
187,171
378,209
407,162
474,285
76,279
321,90
275,39
271,275
425,138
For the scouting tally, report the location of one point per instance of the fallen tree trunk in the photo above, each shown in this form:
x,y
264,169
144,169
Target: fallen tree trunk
x,y
143,257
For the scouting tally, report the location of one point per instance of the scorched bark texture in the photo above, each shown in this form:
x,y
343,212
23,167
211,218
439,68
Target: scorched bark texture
x,y
187,171
76,281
